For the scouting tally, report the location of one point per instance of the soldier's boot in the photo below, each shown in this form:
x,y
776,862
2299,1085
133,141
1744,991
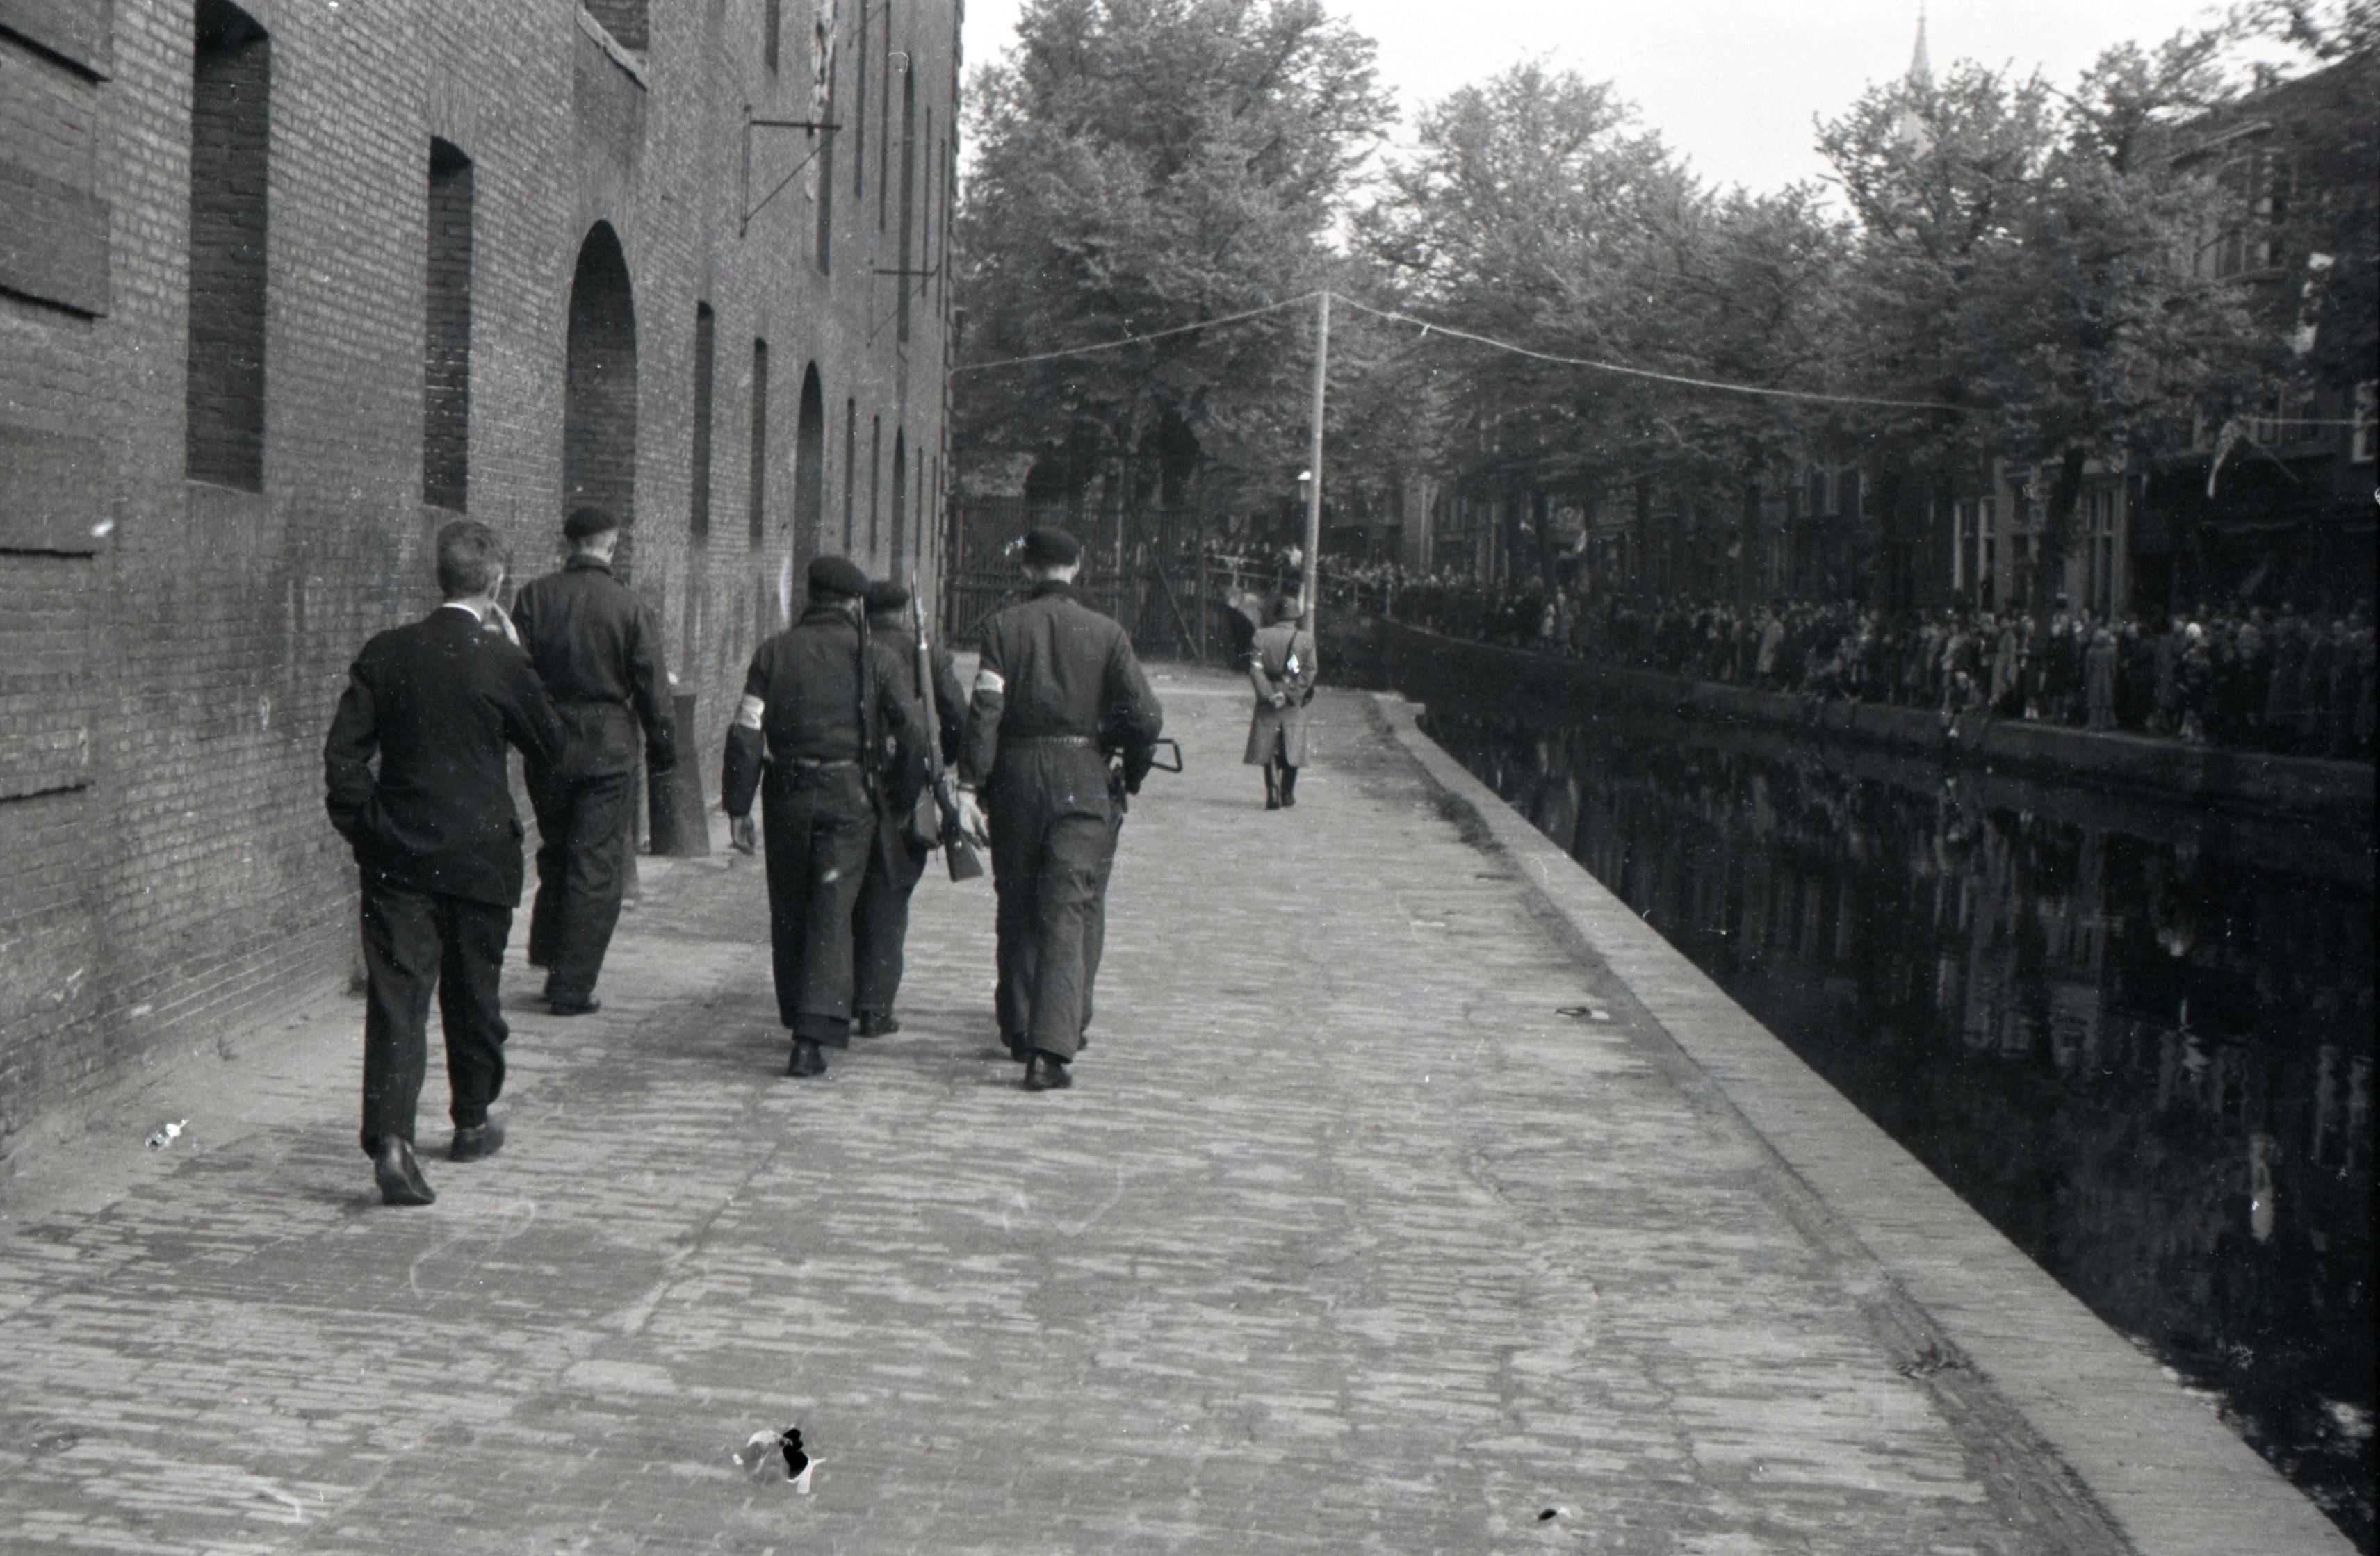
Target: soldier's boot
x,y
808,1062
874,1024
1046,1072
1288,784
1272,788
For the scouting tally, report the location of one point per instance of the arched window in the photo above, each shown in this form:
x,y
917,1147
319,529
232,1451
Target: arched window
x,y
757,486
875,480
447,334
908,193
850,474
809,469
231,77
900,500
706,361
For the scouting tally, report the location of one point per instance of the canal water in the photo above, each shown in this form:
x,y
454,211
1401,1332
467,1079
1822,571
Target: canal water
x,y
2137,1038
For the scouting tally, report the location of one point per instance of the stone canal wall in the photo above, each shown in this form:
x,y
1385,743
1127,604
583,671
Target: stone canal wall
x,y
2033,1367
1432,668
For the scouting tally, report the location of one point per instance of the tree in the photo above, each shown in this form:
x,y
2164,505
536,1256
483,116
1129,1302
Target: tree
x,y
2025,257
1534,211
1145,165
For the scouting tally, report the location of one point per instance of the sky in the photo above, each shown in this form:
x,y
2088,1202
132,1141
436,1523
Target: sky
x,y
1732,84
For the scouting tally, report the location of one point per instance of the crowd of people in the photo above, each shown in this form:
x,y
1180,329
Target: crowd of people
x,y
2277,678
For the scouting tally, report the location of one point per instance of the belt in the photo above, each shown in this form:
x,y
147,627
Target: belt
x,y
1050,740
814,763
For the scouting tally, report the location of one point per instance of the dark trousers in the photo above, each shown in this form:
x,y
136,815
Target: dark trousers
x,y
415,941
582,841
1095,938
879,924
1053,837
821,830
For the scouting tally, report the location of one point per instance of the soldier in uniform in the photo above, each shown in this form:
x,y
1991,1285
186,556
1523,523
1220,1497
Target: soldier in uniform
x,y
820,703
1057,684
880,922
437,847
1281,667
598,651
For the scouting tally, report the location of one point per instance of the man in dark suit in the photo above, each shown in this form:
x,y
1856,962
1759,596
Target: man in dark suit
x,y
880,921
820,703
438,847
596,648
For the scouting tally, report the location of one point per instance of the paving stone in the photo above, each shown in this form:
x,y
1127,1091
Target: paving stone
x,y
1346,1241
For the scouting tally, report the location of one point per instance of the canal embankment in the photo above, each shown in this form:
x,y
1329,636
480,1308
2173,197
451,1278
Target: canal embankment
x,y
2034,1366
1431,667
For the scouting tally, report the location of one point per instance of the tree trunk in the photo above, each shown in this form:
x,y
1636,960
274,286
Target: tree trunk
x,y
2058,521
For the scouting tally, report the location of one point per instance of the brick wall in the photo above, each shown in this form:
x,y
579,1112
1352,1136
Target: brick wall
x,y
170,649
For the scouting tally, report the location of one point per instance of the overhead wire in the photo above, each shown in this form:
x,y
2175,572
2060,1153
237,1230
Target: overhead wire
x,y
1135,340
1430,326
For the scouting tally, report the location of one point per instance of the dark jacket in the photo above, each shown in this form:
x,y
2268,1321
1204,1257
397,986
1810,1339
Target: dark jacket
x,y
598,651
1052,666
801,703
438,700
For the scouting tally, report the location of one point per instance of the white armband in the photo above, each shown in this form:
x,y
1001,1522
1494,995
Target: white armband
x,y
990,681
748,713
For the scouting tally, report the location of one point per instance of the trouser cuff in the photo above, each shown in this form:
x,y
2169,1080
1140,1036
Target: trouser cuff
x,y
829,1031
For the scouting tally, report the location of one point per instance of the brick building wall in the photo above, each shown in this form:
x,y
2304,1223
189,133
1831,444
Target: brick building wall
x,y
195,537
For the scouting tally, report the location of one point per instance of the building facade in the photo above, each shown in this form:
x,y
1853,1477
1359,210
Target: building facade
x,y
285,287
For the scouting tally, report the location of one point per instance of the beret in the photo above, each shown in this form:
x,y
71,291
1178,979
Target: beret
x,y
584,522
837,575
1052,547
887,594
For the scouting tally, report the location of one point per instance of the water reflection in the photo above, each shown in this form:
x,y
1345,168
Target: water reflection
x,y
2139,1041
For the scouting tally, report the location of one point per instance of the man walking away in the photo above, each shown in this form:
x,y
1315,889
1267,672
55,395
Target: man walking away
x,y
597,649
1056,680
880,921
819,702
437,847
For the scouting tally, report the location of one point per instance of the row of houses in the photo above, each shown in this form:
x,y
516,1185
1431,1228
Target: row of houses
x,y
284,286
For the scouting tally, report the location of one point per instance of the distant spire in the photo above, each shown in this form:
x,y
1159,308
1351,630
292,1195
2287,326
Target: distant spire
x,y
1910,128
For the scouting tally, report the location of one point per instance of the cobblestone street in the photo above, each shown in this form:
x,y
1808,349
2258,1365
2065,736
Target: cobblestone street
x,y
1384,1218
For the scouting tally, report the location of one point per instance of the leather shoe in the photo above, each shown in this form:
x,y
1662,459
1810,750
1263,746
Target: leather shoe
x,y
398,1175
480,1142
1047,1072
577,1004
875,1024
808,1062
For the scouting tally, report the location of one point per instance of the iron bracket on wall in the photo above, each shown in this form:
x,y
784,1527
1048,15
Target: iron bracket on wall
x,y
744,202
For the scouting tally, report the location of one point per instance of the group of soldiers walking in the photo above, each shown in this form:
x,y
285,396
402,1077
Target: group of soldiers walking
x,y
839,737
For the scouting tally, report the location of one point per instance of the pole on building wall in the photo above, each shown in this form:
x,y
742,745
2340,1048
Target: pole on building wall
x,y
1314,464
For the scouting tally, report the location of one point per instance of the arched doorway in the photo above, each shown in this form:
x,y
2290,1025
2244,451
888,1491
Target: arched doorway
x,y
810,471
599,395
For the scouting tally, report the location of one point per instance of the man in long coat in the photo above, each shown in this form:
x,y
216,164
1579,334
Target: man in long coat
x,y
1282,669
